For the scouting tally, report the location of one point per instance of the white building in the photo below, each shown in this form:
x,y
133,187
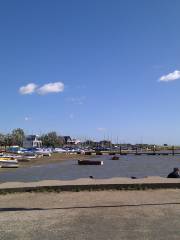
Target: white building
x,y
32,141
73,142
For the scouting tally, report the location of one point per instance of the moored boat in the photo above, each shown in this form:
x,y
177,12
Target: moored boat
x,y
8,159
115,158
90,162
8,165
8,162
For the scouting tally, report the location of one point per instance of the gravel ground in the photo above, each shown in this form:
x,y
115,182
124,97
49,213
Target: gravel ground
x,y
152,214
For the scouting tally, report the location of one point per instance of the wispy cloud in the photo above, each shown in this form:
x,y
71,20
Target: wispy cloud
x,y
71,116
77,100
101,129
170,77
27,119
28,89
51,88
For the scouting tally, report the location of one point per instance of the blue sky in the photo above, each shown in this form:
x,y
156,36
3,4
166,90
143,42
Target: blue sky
x,y
107,56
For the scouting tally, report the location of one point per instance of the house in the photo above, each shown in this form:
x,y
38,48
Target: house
x,y
32,141
69,141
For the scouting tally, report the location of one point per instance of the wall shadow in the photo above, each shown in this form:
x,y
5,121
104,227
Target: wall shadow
x,y
87,207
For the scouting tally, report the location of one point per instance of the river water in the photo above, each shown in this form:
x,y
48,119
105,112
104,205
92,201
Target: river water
x,y
126,166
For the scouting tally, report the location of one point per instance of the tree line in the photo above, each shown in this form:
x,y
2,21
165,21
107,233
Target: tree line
x,y
16,137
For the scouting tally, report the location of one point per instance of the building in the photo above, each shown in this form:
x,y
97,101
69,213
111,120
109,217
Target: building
x,y
69,141
32,141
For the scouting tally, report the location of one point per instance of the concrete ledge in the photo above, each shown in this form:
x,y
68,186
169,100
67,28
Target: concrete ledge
x,y
93,187
87,184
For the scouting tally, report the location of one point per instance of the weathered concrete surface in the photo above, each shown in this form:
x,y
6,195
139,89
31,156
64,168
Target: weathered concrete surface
x,y
152,214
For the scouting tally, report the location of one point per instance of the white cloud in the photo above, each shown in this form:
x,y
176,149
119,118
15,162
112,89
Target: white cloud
x,y
28,89
51,88
170,77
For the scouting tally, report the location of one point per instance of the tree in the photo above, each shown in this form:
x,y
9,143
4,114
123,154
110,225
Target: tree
x,y
51,139
18,136
8,140
89,143
2,139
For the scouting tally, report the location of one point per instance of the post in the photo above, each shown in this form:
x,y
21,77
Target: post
x,y
173,150
120,149
136,150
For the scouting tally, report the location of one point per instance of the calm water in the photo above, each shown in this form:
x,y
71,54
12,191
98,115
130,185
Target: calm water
x,y
127,166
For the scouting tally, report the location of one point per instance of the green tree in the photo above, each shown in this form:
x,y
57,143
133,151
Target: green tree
x,y
2,139
18,136
51,139
8,140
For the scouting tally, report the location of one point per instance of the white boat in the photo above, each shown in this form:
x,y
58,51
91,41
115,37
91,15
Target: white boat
x,y
6,162
25,158
9,165
59,150
43,153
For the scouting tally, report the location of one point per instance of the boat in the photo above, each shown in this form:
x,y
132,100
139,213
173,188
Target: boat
x,y
8,162
151,153
25,158
115,158
8,165
43,152
112,153
123,153
90,162
7,159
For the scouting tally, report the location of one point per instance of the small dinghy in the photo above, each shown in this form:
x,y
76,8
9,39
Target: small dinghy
x,y
90,162
115,158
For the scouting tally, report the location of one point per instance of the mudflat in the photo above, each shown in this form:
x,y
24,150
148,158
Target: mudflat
x,y
54,158
150,214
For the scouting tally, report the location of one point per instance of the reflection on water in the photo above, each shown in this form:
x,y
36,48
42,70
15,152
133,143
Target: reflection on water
x,y
126,166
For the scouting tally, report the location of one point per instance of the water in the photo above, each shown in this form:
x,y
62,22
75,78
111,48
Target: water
x,y
127,166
